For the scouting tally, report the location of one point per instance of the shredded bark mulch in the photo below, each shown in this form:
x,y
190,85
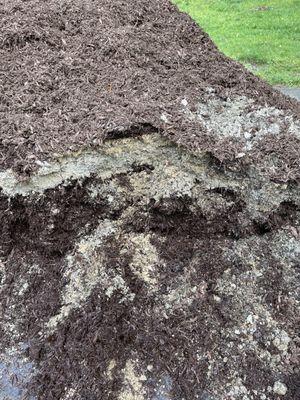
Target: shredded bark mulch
x,y
221,319
195,342
74,73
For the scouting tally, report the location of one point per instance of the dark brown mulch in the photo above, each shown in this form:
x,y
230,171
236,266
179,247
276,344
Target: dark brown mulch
x,y
76,355
73,73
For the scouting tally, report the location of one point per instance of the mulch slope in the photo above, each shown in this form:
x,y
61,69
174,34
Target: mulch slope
x,y
76,72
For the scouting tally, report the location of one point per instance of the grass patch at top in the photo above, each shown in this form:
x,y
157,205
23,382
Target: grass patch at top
x,y
263,35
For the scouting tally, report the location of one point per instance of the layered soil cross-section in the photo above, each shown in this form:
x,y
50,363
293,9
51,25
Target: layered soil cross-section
x,y
149,210
140,271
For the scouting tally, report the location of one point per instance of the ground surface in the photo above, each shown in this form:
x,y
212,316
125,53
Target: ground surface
x,y
292,92
263,35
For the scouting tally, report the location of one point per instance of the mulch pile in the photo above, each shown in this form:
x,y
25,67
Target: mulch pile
x,y
74,358
76,72
73,74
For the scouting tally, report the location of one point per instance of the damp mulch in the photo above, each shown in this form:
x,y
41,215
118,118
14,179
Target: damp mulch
x,y
77,72
75,357
73,74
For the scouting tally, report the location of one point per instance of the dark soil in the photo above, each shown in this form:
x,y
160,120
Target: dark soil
x,y
77,72
78,352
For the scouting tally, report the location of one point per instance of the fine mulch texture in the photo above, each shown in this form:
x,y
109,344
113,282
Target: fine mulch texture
x,y
73,73
77,354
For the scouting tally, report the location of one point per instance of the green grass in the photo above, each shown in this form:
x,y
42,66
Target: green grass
x,y
263,35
